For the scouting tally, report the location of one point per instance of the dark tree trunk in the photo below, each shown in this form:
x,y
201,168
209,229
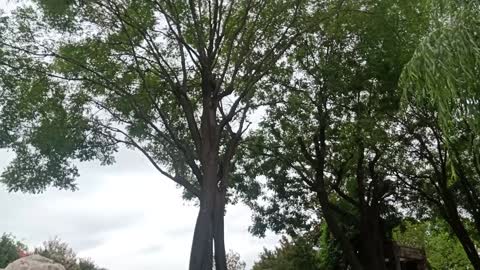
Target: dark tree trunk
x,y
472,204
467,243
201,257
202,246
219,232
320,187
453,219
371,235
337,232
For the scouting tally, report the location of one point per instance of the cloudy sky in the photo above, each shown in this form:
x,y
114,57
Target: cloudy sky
x,y
124,216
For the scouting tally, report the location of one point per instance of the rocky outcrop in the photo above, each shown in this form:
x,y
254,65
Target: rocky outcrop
x,y
34,262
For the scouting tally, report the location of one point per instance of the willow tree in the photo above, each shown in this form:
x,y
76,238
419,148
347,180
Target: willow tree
x,y
443,74
442,80
444,69
173,80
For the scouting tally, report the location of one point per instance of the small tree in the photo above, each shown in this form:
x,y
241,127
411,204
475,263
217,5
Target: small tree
x,y
88,264
234,262
10,249
291,255
60,252
443,249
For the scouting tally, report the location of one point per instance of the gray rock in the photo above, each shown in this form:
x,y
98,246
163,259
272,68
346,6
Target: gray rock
x,y
34,262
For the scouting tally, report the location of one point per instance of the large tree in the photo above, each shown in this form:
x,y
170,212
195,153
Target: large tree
x,y
171,79
324,146
427,176
441,125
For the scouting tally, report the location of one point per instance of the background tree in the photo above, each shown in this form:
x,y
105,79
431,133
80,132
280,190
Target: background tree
x,y
426,176
323,147
330,255
444,69
10,249
88,264
443,250
55,249
171,79
290,255
59,252
441,93
234,262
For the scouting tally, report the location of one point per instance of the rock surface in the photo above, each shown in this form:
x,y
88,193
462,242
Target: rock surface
x,y
34,262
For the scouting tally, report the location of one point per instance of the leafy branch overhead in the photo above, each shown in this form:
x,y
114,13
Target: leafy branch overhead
x,y
134,73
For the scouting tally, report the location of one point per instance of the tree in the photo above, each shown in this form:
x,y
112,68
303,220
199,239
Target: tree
x,y
330,255
426,175
290,255
324,146
443,250
234,262
59,252
171,79
10,250
88,264
441,91
444,70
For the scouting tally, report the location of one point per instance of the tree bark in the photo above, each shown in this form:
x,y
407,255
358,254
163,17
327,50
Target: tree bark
x,y
455,222
202,246
219,232
208,223
371,235
466,242
337,232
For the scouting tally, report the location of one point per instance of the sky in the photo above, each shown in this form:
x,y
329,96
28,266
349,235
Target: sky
x,y
124,216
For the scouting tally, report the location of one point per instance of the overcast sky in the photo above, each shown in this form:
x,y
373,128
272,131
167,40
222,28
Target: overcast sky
x,y
124,216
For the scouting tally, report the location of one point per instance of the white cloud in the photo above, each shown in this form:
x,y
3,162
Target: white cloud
x,y
124,217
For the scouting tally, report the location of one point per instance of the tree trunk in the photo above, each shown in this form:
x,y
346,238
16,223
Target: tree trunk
x,y
337,232
466,242
202,246
219,232
455,222
469,190
371,235
201,256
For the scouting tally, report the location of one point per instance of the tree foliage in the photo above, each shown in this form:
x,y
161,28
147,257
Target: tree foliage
x,y
234,262
324,147
444,69
60,252
442,248
10,249
174,80
336,162
290,255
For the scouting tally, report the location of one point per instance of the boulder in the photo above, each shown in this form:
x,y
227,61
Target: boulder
x,y
34,262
